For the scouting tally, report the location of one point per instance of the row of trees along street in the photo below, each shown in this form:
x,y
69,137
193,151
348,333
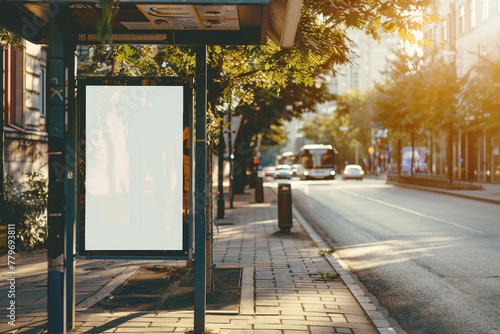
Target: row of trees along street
x,y
263,83
421,102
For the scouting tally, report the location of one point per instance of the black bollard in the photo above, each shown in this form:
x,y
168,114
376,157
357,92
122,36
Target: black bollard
x,y
259,190
285,207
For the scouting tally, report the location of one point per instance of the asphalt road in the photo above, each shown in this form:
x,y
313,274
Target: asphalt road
x,y
430,260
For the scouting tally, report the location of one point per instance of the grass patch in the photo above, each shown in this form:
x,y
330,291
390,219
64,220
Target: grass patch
x,y
324,252
328,276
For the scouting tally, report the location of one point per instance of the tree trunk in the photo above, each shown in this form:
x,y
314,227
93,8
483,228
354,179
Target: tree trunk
x,y
412,151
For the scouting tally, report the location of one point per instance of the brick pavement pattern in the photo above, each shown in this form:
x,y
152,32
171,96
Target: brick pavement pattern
x,y
287,285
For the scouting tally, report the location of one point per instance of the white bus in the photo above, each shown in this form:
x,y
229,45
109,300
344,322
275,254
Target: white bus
x,y
286,158
317,161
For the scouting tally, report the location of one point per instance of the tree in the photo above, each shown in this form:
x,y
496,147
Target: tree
x,y
348,128
321,43
8,38
321,129
479,103
418,98
25,205
398,103
292,77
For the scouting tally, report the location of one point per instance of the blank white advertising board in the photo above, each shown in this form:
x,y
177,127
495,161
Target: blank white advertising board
x,y
134,176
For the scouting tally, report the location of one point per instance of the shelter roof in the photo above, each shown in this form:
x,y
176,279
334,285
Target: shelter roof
x,y
181,22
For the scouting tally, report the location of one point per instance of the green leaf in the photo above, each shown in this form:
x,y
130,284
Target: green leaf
x,y
8,38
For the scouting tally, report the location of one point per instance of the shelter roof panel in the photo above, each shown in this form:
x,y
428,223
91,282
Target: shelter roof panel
x,y
181,22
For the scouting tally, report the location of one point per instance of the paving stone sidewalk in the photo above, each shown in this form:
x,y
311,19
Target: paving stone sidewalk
x,y
288,287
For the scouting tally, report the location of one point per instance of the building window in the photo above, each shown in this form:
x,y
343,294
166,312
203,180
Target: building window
x,y
43,91
445,31
485,10
473,13
14,93
461,19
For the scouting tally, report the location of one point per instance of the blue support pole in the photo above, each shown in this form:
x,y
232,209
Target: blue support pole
x,y
56,97
200,193
2,197
71,191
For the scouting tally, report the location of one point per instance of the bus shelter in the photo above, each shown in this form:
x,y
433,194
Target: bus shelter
x,y
62,25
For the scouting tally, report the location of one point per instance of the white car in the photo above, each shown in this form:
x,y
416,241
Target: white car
x,y
282,172
354,172
268,171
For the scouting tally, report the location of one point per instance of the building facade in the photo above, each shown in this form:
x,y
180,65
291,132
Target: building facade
x,y
24,111
370,58
468,30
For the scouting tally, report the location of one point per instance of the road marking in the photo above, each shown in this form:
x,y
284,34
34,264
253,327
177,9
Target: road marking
x,y
411,211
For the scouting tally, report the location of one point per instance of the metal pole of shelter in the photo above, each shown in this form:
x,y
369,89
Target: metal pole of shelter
x,y
71,190
57,174
231,157
2,198
199,192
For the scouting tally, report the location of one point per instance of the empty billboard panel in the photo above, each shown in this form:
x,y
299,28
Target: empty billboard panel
x,y
136,168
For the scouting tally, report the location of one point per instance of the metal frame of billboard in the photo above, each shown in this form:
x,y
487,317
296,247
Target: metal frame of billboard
x,y
185,252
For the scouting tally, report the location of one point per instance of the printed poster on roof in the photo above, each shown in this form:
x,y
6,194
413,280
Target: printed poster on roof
x,y
219,17
190,17
171,17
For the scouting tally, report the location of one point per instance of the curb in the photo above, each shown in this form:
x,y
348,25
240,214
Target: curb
x,y
377,318
446,192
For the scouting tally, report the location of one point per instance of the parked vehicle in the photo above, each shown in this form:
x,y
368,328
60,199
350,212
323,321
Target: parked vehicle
x,y
354,172
268,171
283,172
